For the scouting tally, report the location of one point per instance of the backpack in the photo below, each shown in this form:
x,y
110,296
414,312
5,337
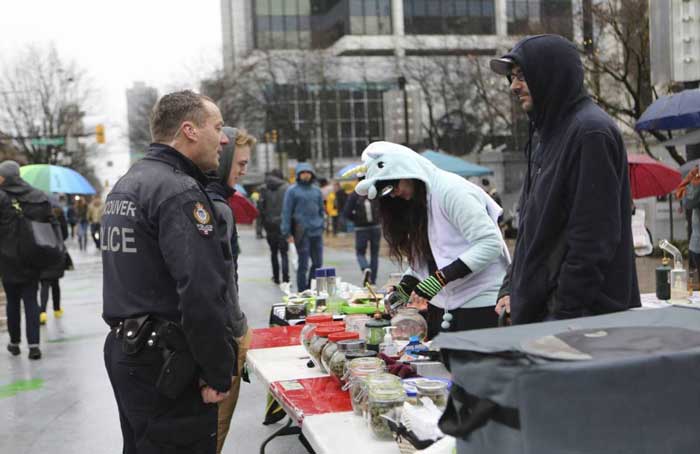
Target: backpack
x,y
39,244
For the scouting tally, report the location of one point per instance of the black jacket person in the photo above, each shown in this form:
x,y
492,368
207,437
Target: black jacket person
x,y
574,254
164,256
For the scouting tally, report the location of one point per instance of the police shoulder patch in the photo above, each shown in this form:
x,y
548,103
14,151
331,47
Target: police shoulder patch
x,y
201,217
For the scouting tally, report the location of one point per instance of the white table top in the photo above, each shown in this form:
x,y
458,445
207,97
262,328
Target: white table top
x,y
281,363
341,433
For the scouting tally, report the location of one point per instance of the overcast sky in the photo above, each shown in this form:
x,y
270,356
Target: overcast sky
x,y
165,43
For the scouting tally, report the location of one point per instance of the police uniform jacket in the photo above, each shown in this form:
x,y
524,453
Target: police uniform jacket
x,y
163,255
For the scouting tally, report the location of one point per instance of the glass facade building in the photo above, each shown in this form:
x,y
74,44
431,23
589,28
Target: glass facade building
x,y
449,17
313,24
341,119
530,17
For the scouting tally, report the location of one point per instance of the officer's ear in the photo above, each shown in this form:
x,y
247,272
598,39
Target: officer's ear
x,y
189,130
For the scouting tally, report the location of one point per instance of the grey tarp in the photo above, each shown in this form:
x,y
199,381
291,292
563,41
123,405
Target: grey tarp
x,y
645,400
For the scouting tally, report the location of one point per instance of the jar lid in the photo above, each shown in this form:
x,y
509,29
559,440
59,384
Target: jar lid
x,y
350,355
363,362
381,323
431,386
319,318
351,344
333,323
324,331
387,394
343,335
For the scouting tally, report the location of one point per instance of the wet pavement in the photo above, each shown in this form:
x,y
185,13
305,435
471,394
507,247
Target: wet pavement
x,y
64,404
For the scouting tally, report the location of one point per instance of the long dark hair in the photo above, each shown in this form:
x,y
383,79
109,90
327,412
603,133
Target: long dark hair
x,y
405,226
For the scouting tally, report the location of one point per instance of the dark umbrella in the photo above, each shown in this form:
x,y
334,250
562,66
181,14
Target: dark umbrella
x,y
676,111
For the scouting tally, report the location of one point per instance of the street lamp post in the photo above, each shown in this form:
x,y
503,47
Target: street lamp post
x,y
402,86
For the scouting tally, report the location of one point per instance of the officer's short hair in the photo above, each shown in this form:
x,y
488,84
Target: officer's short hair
x,y
174,108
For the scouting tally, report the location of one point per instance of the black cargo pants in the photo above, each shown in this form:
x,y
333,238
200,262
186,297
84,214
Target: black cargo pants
x,y
151,423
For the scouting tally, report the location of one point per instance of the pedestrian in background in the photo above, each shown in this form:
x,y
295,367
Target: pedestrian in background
x,y
94,217
233,164
341,198
71,217
81,213
364,214
271,200
50,276
574,256
255,198
302,223
19,279
331,213
169,274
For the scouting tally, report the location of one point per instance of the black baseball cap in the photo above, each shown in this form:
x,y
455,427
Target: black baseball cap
x,y
502,66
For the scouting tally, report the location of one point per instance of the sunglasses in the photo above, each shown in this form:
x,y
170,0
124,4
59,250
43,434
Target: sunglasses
x,y
519,76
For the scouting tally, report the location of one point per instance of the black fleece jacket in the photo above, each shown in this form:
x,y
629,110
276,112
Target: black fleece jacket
x,y
574,254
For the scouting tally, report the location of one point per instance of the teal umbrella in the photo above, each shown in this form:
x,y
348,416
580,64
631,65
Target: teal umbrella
x,y
50,178
456,165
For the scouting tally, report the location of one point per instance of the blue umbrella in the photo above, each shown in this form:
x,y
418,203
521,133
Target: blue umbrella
x,y
676,111
50,178
456,165
347,168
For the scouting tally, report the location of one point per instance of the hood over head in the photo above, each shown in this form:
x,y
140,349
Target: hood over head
x,y
226,157
387,162
554,74
274,180
304,167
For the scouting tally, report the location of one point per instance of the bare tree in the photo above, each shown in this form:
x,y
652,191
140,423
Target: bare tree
x,y
466,107
618,63
42,96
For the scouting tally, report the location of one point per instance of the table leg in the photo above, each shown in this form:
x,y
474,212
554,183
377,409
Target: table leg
x,y
287,429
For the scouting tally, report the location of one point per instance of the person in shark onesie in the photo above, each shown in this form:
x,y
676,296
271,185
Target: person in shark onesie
x,y
444,228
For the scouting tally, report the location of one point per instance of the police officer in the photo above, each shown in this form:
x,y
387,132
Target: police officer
x,y
170,354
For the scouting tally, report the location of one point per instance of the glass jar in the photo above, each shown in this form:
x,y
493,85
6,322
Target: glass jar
x,y
332,346
408,322
375,332
319,340
310,324
386,398
356,323
357,371
435,390
336,365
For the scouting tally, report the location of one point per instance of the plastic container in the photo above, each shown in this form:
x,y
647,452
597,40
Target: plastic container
x,y
356,323
435,390
375,332
321,281
386,398
310,324
337,364
357,372
408,322
319,340
332,346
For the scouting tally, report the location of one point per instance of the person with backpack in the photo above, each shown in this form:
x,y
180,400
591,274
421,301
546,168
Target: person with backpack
x,y
20,279
271,199
364,214
51,275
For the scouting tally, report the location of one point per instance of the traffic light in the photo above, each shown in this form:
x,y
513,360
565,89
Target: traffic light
x,y
274,136
100,133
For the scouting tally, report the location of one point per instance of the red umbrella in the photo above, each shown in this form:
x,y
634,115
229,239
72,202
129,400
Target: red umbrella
x,y
243,209
649,177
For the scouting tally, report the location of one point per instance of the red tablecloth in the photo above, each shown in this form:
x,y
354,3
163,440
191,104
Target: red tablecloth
x,y
311,396
278,336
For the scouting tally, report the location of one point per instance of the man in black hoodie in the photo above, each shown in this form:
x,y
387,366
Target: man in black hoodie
x,y
19,278
270,204
574,255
